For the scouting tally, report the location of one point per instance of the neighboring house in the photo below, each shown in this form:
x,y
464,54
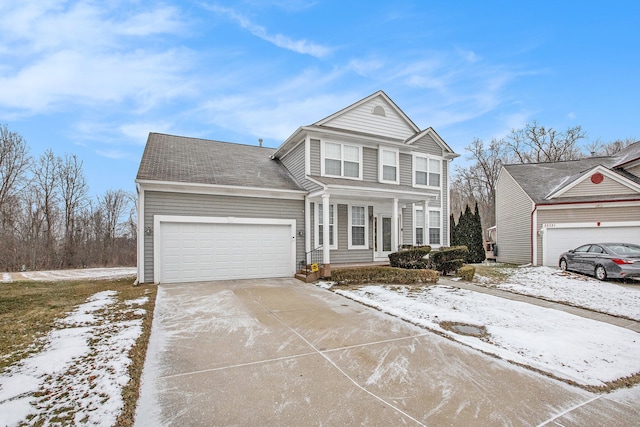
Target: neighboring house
x,y
544,209
353,187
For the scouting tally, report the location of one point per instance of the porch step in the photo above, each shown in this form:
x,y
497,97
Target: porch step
x,y
311,277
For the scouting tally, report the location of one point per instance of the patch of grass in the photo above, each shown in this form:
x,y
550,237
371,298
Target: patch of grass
x,y
496,273
29,310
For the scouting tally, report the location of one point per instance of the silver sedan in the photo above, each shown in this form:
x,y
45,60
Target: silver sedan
x,y
603,260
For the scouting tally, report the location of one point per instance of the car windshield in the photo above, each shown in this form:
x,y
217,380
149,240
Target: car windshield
x,y
625,249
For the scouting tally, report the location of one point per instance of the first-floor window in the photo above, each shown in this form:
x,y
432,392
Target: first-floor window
x,y
358,226
419,227
434,227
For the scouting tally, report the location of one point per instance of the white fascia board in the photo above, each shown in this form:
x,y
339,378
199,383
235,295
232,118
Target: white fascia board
x,y
590,205
374,193
220,190
592,224
140,236
587,175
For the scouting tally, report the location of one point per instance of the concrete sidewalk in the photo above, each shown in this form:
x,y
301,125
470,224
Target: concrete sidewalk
x,y
279,352
582,312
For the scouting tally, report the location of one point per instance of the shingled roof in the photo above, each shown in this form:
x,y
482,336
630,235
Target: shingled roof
x,y
539,180
170,158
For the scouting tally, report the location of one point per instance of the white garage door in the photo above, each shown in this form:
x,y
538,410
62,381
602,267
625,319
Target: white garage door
x,y
555,241
201,251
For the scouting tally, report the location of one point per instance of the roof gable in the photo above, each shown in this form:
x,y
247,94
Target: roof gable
x,y
596,182
376,114
427,138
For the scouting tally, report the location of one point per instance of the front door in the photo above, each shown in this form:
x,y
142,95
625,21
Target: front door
x,y
382,238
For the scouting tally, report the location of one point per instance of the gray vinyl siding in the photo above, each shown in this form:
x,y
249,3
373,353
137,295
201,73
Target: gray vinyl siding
x,y
184,204
513,220
406,169
607,186
428,145
407,225
362,119
370,164
314,147
294,162
574,214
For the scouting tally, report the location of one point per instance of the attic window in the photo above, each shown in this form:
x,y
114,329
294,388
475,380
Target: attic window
x,y
379,111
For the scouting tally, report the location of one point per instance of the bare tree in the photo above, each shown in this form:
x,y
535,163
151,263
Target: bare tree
x,y
14,163
46,176
73,190
536,144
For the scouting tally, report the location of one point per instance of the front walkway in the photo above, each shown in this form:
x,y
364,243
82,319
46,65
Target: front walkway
x,y
582,312
279,352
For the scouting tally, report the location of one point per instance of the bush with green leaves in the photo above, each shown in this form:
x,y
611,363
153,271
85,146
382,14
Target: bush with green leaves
x,y
383,275
466,272
448,260
413,258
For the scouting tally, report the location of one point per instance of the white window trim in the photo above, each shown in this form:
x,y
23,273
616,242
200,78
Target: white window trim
x,y
316,231
342,145
427,235
381,165
366,228
413,170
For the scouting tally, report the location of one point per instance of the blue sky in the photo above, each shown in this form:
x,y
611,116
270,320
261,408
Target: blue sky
x,y
93,78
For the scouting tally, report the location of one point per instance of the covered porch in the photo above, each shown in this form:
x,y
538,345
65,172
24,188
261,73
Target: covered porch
x,y
350,226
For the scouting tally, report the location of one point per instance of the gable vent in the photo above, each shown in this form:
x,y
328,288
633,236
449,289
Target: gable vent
x,y
379,111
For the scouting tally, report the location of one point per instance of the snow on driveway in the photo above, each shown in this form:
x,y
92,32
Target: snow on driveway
x,y
577,290
573,348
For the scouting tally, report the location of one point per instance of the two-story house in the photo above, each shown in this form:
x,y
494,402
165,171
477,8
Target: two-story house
x,y
352,187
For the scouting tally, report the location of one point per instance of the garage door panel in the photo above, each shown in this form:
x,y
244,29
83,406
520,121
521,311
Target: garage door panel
x,y
219,251
559,240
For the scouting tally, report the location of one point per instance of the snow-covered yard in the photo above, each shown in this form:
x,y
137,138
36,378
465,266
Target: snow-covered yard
x,y
575,289
80,274
569,347
78,376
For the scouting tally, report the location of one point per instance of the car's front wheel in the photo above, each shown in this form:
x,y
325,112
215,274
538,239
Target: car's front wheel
x,y
563,264
600,273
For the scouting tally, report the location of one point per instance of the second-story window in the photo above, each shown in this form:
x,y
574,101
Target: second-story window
x,y
426,171
388,166
342,160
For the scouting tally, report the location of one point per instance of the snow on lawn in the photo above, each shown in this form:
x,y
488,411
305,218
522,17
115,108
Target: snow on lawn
x,y
80,274
79,373
577,290
566,346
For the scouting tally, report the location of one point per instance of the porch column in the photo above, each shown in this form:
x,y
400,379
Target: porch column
x,y
394,227
425,226
326,246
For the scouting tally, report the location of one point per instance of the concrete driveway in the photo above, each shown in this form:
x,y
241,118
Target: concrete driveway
x,y
280,352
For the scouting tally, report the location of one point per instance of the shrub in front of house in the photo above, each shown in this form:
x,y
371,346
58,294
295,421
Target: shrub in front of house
x,y
448,260
466,272
411,258
383,275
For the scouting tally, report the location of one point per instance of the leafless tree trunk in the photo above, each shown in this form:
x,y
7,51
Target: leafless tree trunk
x,y
46,176
73,190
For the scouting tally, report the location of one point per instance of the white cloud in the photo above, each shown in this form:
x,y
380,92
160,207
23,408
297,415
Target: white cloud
x,y
299,46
